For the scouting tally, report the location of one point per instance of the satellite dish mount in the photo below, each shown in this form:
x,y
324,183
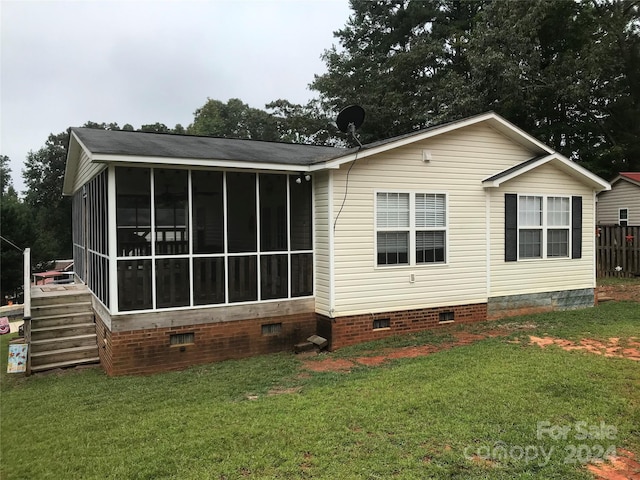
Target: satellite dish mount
x,y
351,119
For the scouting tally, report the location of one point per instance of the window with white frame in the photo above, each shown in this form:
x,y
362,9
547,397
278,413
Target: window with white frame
x,y
431,218
623,217
410,228
543,226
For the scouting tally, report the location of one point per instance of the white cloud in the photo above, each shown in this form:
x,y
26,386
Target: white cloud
x,y
65,63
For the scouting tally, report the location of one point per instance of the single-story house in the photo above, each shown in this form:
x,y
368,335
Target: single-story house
x,y
621,204
199,249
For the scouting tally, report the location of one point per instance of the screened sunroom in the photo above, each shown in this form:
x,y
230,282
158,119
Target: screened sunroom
x,y
188,238
153,231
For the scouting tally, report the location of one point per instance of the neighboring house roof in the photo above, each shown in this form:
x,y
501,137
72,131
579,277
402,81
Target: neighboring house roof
x,y
631,177
555,159
107,146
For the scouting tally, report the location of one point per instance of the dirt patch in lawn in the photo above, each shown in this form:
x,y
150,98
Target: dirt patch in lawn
x,y
613,347
623,466
620,293
345,365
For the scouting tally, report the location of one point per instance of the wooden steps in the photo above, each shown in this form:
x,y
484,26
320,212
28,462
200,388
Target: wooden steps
x,y
62,330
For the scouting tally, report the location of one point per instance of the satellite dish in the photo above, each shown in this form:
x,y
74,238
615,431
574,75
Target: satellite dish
x,y
350,119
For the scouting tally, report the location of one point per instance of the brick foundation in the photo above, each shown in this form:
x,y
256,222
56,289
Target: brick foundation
x,y
345,331
149,351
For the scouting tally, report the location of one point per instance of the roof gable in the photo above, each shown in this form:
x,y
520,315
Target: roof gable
x,y
559,161
491,119
631,177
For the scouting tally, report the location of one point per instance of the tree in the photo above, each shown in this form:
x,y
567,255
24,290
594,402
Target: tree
x,y
155,128
308,124
17,227
5,175
105,126
567,72
43,176
396,57
234,119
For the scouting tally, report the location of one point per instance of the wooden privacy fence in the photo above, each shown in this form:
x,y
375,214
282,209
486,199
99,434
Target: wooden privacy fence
x,y
617,251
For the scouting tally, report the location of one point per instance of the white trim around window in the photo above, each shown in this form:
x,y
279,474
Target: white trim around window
x,y
623,220
411,218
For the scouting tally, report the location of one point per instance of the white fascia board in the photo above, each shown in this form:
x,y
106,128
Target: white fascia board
x,y
566,165
587,177
518,135
197,162
493,120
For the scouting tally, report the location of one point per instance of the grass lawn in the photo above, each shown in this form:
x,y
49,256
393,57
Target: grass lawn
x,y
606,281
465,412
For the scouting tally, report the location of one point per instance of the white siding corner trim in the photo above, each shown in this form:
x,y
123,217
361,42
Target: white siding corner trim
x,y
332,259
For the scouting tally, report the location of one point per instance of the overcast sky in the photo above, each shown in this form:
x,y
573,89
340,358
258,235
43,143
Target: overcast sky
x,y
64,63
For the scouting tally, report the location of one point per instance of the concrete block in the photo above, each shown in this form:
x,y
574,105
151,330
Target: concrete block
x,y
320,342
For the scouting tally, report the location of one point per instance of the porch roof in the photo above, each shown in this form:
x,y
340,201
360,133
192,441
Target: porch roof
x,y
140,144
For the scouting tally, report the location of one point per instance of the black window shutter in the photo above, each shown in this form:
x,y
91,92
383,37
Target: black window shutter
x,y
576,227
510,227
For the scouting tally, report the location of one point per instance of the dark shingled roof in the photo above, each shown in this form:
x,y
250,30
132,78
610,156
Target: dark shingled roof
x,y
515,168
121,142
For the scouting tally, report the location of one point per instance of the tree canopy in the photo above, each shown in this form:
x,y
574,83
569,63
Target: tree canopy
x,y
16,227
43,176
566,72
233,119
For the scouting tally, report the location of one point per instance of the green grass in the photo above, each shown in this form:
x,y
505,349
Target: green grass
x,y
609,281
612,319
411,418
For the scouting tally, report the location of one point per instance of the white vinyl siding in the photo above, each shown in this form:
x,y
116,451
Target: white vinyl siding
x,y
322,240
460,160
87,170
541,275
623,194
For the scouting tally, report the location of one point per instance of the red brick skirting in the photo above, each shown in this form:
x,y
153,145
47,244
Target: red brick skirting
x,y
150,351
345,331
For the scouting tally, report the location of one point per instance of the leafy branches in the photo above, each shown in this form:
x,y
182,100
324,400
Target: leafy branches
x,y
568,72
